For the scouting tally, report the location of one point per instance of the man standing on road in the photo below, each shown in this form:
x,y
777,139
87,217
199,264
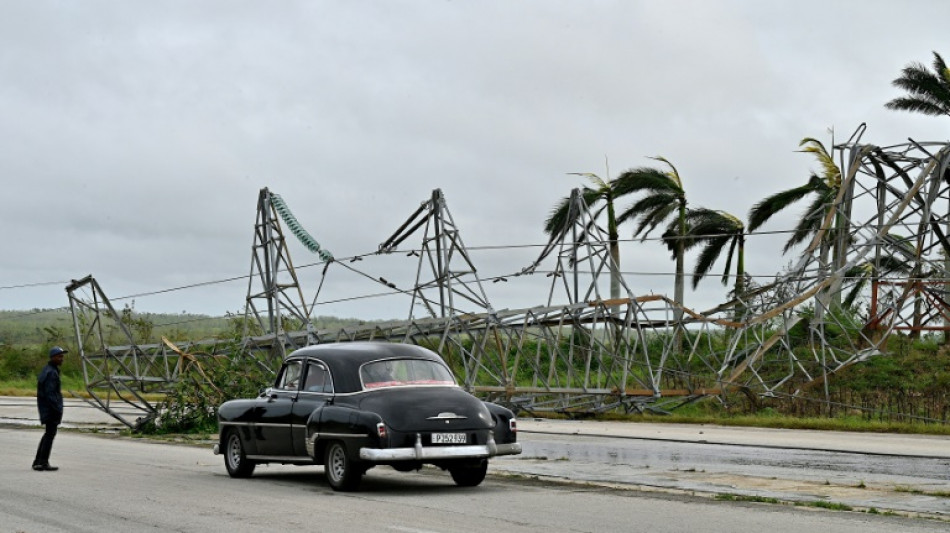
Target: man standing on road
x,y
49,400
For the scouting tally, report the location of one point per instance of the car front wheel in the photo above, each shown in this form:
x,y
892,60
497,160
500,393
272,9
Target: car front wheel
x,y
469,475
342,473
235,460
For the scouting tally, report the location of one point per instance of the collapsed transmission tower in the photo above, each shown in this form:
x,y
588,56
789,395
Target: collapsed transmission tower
x,y
125,379
882,248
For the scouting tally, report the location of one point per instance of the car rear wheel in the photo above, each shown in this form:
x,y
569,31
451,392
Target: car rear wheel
x,y
235,460
469,475
342,472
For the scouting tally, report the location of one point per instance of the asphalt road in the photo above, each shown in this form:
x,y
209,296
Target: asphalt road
x,y
119,484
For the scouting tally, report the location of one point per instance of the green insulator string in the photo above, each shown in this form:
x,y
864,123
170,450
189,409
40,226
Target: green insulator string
x,y
291,221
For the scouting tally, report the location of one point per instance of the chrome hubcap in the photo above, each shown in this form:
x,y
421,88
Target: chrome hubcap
x,y
234,451
337,462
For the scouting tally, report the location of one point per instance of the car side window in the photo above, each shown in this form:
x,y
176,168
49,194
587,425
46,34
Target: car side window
x,y
318,379
290,377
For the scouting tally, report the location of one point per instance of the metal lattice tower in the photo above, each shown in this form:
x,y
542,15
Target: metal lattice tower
x,y
124,379
581,353
275,301
447,281
114,369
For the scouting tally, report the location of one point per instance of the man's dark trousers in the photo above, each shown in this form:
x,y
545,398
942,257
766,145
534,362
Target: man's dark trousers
x,y
46,443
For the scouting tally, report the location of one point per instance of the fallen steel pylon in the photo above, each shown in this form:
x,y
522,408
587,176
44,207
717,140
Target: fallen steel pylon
x,y
583,353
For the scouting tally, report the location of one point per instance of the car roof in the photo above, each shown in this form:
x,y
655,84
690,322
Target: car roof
x,y
343,359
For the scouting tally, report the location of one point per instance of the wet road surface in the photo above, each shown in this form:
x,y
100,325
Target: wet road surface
x,y
908,474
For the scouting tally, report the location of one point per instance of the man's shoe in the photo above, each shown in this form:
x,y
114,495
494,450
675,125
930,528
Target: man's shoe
x,y
47,468
37,467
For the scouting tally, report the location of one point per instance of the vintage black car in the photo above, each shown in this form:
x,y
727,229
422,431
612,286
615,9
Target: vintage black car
x,y
353,406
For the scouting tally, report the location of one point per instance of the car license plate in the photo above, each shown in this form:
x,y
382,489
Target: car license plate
x,y
449,438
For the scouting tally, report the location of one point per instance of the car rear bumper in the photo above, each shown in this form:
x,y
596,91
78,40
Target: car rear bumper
x,y
432,453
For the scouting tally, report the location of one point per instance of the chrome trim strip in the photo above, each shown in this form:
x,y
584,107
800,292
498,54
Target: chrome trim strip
x,y
281,458
337,435
254,424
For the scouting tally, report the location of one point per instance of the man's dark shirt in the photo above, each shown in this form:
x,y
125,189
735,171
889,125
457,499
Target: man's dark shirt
x,y
49,397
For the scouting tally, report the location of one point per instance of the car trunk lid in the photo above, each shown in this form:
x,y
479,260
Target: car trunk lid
x,y
424,409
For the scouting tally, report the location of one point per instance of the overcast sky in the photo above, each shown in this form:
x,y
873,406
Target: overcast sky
x,y
136,136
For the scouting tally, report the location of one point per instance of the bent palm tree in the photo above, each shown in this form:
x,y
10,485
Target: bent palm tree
x,y
715,230
824,188
665,199
928,92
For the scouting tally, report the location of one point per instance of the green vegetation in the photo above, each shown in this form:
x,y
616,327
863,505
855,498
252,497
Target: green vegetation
x,y
909,490
905,392
834,506
203,385
728,497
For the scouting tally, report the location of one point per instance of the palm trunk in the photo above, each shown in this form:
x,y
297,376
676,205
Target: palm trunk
x,y
740,280
614,269
946,288
614,237
679,282
680,252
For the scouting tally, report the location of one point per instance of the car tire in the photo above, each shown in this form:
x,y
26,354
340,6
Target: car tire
x,y
235,460
469,475
342,473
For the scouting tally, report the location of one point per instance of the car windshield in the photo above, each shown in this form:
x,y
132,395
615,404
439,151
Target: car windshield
x,y
404,372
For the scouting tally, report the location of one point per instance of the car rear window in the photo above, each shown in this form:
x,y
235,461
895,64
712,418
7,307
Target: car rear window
x,y
404,372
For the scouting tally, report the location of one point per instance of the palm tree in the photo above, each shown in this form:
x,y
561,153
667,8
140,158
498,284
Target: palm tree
x,y
824,188
665,199
715,230
600,198
927,92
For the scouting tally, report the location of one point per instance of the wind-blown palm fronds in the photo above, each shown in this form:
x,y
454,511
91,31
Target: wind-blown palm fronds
x,y
665,199
824,188
927,92
714,231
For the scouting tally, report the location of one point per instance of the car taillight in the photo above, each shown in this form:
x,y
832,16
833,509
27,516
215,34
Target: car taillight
x,y
513,425
381,430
